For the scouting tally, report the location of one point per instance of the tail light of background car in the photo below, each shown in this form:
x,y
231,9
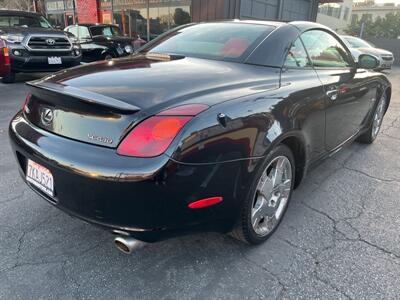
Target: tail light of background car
x,y
6,55
153,136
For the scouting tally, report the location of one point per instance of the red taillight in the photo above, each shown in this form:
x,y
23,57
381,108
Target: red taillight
x,y
153,136
6,56
205,202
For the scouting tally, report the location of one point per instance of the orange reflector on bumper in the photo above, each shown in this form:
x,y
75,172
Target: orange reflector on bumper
x,y
205,202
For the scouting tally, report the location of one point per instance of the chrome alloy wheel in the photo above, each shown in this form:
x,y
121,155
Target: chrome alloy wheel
x,y
272,195
378,117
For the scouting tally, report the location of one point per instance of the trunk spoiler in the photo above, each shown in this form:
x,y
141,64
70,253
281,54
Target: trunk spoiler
x,y
84,95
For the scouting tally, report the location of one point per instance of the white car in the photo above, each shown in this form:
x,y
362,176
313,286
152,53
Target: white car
x,y
358,46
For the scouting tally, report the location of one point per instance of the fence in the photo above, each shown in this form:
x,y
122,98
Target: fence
x,y
391,45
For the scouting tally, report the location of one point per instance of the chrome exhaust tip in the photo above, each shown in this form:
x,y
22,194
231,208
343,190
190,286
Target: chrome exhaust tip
x,y
128,244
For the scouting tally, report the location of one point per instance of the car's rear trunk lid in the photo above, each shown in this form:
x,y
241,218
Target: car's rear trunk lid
x,y
79,114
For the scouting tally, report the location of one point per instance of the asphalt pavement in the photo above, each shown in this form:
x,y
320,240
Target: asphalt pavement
x,y
340,238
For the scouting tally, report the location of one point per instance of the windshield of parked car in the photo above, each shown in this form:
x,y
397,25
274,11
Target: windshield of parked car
x,y
220,41
357,43
105,31
24,21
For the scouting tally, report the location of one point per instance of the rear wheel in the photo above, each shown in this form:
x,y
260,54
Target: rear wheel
x,y
268,198
10,78
370,135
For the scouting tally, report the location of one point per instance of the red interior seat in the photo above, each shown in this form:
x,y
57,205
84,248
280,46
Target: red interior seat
x,y
235,47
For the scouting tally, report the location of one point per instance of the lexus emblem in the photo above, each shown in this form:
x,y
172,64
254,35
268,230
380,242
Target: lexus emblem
x,y
47,116
50,42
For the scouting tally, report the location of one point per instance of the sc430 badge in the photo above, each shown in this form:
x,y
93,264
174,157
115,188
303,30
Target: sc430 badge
x,y
101,139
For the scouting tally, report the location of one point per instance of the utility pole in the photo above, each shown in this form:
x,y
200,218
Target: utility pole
x,y
362,30
148,20
74,11
65,17
112,11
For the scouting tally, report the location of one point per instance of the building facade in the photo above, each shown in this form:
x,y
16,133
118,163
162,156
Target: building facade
x,y
337,16
373,11
150,18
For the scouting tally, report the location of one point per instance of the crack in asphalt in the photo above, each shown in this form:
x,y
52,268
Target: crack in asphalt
x,y
262,267
359,239
391,136
334,287
346,219
63,263
20,243
13,198
391,125
21,240
317,262
336,221
370,176
72,279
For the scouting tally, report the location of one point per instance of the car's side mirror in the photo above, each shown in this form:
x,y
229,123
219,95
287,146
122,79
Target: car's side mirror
x,y
367,61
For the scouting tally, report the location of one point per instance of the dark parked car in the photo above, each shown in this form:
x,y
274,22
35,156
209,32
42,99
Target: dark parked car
x,y
33,45
103,41
209,128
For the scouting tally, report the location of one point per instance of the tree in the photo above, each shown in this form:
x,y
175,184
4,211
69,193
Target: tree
x,y
26,5
387,27
181,17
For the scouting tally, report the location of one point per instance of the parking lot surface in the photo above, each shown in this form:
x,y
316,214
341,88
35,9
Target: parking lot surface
x,y
339,239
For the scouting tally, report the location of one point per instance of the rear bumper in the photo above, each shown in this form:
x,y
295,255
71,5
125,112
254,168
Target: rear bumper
x,y
148,198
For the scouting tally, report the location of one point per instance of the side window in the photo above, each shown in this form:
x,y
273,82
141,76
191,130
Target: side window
x,y
297,56
83,33
80,32
325,50
73,30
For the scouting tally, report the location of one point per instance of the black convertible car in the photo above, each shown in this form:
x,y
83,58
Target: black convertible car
x,y
209,128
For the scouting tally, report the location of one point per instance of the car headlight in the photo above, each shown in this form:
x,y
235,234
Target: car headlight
x,y
12,38
128,49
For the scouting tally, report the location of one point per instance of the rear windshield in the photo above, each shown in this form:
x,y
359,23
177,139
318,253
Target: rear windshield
x,y
220,41
24,21
105,31
357,43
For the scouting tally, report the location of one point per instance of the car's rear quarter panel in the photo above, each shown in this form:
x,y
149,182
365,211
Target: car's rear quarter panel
x,y
147,197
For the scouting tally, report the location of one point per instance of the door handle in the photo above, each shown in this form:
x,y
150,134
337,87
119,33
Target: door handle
x,y
332,94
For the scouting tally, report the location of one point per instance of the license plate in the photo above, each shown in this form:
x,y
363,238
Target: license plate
x,y
40,177
53,60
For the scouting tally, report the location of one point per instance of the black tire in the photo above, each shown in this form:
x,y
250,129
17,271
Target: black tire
x,y
244,230
369,136
10,78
